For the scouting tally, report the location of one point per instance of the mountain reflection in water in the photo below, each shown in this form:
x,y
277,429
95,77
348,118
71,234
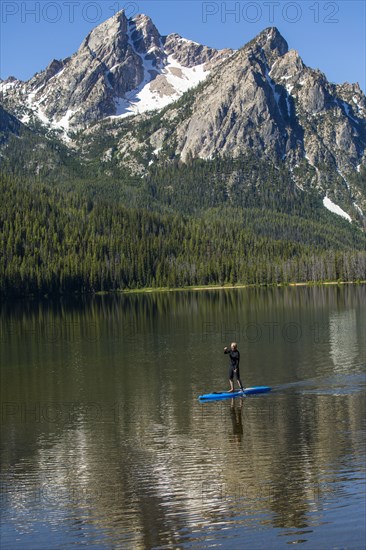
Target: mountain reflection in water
x,y
105,444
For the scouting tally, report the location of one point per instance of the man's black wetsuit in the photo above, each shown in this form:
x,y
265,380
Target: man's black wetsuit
x,y
234,364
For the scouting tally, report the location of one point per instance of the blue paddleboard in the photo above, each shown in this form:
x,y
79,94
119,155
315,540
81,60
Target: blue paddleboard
x,y
237,393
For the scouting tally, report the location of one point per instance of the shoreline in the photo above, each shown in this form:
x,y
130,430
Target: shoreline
x,y
229,287
150,290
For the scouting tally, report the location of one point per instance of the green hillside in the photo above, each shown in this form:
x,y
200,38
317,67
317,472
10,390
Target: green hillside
x,y
57,241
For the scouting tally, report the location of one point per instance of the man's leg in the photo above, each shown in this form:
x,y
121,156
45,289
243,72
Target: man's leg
x,y
231,377
239,380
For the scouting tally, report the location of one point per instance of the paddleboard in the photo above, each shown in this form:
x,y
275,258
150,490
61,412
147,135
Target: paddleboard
x,y
237,393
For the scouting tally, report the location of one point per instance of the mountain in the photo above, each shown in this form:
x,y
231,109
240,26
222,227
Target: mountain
x,y
133,101
124,66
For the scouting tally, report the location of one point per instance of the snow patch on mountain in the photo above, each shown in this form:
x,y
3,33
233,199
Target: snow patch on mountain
x,y
174,80
330,205
64,122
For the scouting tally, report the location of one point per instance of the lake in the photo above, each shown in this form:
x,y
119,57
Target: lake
x,y
104,443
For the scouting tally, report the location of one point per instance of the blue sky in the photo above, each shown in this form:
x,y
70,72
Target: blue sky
x,y
329,35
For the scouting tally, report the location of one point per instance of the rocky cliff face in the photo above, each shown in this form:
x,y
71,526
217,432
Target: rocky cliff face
x,y
240,107
264,98
122,67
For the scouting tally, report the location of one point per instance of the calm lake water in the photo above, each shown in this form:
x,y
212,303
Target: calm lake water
x,y
104,443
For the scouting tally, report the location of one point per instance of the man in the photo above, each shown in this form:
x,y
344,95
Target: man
x,y
234,365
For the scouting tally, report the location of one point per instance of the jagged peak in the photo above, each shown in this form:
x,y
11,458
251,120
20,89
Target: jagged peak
x,y
273,36
141,20
177,42
119,18
294,56
144,34
143,25
10,78
271,42
174,36
106,31
179,38
351,87
289,63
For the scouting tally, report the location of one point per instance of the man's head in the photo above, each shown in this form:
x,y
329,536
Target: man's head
x,y
234,346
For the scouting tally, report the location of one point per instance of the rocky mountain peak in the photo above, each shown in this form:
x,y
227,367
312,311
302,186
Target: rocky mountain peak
x,y
145,39
271,43
350,88
145,29
52,70
109,33
273,39
10,79
289,65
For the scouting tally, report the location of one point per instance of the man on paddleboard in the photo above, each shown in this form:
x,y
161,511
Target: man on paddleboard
x,y
234,356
